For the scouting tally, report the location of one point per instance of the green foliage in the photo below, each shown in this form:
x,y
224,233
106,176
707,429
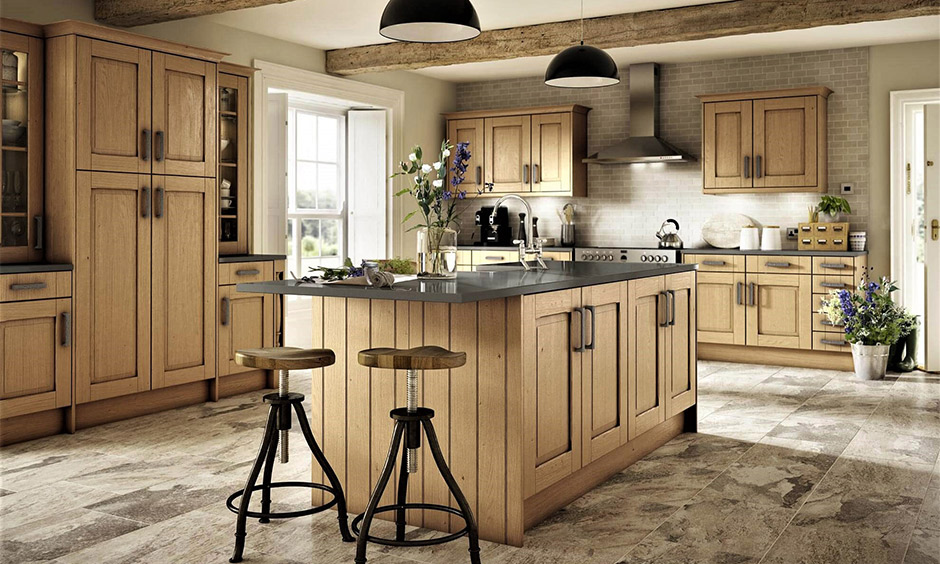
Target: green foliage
x,y
398,266
833,204
869,315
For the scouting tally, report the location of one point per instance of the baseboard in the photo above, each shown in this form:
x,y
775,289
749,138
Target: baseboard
x,y
243,383
32,426
824,360
143,403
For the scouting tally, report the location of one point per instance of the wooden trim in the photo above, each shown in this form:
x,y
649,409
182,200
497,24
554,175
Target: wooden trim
x,y
238,70
11,25
144,403
527,111
244,382
515,418
32,426
766,94
73,27
822,360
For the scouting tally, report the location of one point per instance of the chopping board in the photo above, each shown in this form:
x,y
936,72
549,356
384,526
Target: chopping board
x,y
724,230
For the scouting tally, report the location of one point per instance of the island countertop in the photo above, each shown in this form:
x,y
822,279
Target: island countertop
x,y
478,286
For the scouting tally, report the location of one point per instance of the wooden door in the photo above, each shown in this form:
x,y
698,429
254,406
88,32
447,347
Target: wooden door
x,y
603,371
552,341
112,285
728,159
41,379
721,310
508,151
233,163
113,114
246,321
646,392
551,152
184,116
184,280
468,131
785,142
680,370
779,310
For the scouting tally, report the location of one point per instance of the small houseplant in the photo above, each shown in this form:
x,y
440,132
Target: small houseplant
x,y
872,323
831,208
437,203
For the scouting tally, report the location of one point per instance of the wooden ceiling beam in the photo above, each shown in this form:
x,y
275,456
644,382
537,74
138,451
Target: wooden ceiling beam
x,y
690,23
129,13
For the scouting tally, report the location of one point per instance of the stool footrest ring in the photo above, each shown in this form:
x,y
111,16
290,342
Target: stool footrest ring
x,y
423,542
230,502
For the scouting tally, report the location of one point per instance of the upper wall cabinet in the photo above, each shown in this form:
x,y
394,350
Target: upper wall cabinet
x,y
772,141
533,151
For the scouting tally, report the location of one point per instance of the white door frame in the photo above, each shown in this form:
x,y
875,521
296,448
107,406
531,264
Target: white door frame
x,y
273,75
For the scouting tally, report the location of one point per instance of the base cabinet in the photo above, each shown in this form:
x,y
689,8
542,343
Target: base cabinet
x,y
246,320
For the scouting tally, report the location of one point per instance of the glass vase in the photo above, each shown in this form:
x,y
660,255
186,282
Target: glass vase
x,y
437,252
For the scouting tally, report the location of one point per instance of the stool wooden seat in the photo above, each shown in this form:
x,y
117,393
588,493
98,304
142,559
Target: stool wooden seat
x,y
285,358
418,358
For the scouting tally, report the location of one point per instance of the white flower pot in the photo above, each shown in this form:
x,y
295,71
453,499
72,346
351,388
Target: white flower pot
x,y
871,361
826,218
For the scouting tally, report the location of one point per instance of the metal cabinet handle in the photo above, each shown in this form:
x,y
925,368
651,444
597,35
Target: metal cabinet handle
x,y
158,208
739,290
759,171
672,300
751,298
536,175
495,258
830,324
525,174
713,262
831,342
159,143
145,202
146,153
837,241
580,347
28,286
247,272
832,284
590,347
479,175
747,166
779,264
833,265
66,328
665,322
822,228
39,231
225,311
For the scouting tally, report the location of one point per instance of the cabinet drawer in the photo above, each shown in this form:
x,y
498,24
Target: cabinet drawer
x,y
716,263
825,283
830,341
35,286
784,264
464,258
490,257
821,322
845,266
239,272
556,255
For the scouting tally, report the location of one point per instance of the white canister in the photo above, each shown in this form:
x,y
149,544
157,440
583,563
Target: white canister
x,y
857,240
770,238
750,238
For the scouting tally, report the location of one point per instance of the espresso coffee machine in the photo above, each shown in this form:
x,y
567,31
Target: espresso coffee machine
x,y
497,235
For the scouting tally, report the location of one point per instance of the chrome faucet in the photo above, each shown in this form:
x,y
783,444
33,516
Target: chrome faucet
x,y
535,247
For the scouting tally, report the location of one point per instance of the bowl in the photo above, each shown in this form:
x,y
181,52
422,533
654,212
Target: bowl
x,y
223,144
12,134
11,122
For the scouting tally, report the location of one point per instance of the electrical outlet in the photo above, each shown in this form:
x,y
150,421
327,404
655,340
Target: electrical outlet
x,y
792,233
846,188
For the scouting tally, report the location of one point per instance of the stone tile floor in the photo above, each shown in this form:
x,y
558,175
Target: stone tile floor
x,y
789,466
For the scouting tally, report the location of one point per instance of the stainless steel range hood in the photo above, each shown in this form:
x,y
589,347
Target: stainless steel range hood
x,y
644,144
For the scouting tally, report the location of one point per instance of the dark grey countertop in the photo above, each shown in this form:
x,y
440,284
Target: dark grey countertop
x,y
249,258
713,251
478,286
33,267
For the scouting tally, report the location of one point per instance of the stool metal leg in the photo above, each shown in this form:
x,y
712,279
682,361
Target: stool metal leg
x,y
240,526
266,476
363,540
455,490
402,498
328,470
411,395
282,387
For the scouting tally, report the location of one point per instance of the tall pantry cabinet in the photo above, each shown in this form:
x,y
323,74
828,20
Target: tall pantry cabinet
x,y
131,201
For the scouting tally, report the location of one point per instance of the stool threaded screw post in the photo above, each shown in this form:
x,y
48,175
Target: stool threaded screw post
x,y
411,389
283,385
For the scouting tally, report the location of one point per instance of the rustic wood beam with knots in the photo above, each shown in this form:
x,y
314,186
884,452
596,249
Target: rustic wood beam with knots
x,y
128,13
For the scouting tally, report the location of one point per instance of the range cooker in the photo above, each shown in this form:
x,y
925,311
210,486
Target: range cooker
x,y
626,254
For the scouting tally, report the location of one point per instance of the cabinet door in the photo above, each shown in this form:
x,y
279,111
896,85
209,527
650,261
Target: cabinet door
x,y
508,150
779,310
681,373
233,163
721,310
603,371
552,374
728,161
468,131
785,142
113,114
551,152
646,392
184,280
246,321
40,380
184,116
112,285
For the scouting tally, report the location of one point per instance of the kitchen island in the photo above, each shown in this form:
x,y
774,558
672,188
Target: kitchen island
x,y
572,374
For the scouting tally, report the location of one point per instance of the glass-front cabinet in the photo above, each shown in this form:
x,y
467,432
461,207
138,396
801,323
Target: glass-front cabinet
x,y
234,83
21,107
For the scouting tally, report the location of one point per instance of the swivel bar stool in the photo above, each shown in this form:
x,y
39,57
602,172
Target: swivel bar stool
x,y
284,359
408,423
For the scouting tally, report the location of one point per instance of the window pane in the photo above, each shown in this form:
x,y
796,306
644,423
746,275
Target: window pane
x,y
306,136
309,238
290,237
306,186
329,237
327,189
327,138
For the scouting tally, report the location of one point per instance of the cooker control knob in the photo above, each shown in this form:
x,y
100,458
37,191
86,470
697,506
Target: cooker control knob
x,y
643,258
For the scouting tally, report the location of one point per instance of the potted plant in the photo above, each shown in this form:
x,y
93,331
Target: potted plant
x,y
872,323
831,208
437,204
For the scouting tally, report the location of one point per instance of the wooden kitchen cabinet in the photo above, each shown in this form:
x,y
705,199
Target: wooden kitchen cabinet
x,y
778,310
184,116
721,310
234,159
246,321
772,141
646,354
679,338
468,131
507,153
551,152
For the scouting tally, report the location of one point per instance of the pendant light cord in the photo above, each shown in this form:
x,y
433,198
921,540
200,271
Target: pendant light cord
x,y
582,22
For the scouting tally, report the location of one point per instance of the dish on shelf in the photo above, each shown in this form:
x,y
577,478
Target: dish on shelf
x,y
11,122
12,134
227,203
223,144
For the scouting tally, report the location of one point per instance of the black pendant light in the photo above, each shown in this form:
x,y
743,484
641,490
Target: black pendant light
x,y
429,21
582,66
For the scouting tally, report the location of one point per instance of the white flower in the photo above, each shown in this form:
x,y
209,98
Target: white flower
x,y
446,153
425,168
412,157
437,165
438,183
